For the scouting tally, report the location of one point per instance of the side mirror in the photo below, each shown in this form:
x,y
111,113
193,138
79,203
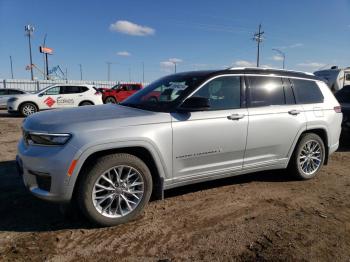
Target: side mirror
x,y
41,94
193,104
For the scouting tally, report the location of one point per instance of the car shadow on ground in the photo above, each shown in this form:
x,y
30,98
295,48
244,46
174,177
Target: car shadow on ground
x,y
5,114
21,212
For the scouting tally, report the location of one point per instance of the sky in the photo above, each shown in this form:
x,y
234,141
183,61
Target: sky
x,y
157,34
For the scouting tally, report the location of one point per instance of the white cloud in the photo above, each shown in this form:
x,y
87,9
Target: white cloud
x,y
312,65
169,65
123,53
244,63
129,28
277,58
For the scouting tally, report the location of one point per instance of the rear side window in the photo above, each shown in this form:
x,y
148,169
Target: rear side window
x,y
3,92
70,89
15,92
347,77
288,92
265,91
307,92
135,87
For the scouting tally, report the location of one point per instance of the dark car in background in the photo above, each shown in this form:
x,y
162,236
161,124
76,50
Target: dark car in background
x,y
119,92
343,97
6,93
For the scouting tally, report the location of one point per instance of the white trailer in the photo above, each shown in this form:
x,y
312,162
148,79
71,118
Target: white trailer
x,y
335,77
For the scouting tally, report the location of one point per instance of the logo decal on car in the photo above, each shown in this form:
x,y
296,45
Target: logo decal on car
x,y
49,101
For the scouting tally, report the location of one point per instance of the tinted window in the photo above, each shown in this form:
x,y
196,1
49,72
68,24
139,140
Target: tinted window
x,y
343,95
15,92
135,87
70,89
223,93
53,91
3,92
307,92
347,77
265,91
84,89
288,92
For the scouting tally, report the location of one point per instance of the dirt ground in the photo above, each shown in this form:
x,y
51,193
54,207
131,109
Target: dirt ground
x,y
256,217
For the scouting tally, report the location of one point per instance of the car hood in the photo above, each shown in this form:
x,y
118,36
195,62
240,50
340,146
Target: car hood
x,y
92,117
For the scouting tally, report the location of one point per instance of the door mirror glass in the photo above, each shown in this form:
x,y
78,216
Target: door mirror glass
x,y
195,104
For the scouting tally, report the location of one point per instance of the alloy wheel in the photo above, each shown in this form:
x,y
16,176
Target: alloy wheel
x,y
310,157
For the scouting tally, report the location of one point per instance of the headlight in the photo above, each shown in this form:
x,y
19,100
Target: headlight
x,y
12,99
33,138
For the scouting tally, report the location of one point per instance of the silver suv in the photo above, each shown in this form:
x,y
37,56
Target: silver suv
x,y
182,129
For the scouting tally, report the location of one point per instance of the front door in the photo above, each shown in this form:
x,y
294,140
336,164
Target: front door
x,y
211,142
48,98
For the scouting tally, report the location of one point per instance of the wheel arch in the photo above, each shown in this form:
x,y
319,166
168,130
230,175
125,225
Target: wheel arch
x,y
24,102
83,101
139,151
322,133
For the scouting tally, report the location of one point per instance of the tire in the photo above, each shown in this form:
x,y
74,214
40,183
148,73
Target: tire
x,y
28,109
308,157
86,103
110,100
114,210
153,99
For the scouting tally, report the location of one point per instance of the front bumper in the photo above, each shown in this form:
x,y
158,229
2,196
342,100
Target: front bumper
x,y
44,170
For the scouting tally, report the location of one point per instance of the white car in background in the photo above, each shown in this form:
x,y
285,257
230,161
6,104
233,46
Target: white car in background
x,y
6,93
56,96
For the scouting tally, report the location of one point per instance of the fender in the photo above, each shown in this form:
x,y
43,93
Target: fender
x,y
82,156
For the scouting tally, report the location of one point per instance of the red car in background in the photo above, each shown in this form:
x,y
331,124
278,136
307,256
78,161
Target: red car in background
x,y
119,92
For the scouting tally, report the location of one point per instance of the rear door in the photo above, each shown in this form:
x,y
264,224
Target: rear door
x,y
71,95
274,120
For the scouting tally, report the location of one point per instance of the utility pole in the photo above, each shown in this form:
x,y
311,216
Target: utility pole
x,y
11,67
281,54
29,29
143,72
108,71
81,72
258,37
129,74
45,59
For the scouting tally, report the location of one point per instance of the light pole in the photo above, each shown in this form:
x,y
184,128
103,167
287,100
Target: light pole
x,y
81,71
29,29
281,54
11,67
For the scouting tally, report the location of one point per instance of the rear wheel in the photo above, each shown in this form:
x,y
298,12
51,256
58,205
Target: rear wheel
x,y
115,190
308,157
110,100
28,109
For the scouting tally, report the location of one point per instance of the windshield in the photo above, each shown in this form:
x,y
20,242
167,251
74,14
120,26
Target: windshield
x,y
165,93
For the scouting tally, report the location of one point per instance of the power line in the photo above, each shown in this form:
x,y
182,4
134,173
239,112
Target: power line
x,y
258,37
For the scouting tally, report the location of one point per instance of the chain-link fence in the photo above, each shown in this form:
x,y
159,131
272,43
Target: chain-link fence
x,y
35,85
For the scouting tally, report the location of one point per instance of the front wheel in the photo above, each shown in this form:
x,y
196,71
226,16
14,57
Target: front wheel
x,y
86,103
308,157
28,109
110,100
115,190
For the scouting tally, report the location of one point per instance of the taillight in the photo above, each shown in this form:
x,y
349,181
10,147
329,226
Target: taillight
x,y
337,109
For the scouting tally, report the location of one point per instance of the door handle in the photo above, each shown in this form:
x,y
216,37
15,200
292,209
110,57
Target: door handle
x,y
294,112
235,116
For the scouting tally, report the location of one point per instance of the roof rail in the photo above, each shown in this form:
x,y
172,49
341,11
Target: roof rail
x,y
266,69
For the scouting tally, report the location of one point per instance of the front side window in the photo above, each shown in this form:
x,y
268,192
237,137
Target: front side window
x,y
223,93
53,91
265,91
166,93
3,92
307,92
